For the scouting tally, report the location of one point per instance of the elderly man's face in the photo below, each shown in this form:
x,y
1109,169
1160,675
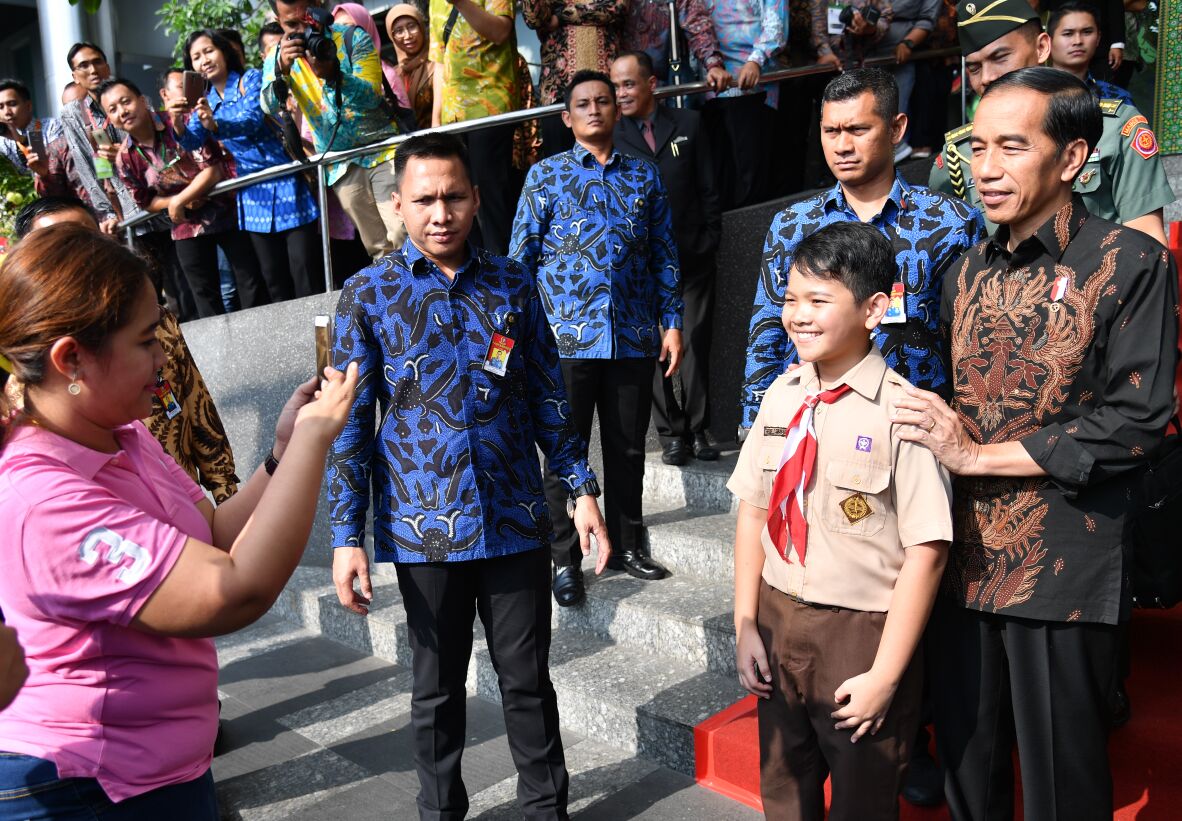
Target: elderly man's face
x,y
1021,175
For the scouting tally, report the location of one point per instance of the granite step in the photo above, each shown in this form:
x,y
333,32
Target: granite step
x,y
618,690
693,542
698,486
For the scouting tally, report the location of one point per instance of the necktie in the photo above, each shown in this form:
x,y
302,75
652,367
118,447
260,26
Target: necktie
x,y
646,128
786,506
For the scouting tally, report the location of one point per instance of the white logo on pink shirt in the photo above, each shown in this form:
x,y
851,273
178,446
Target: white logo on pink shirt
x,y
118,550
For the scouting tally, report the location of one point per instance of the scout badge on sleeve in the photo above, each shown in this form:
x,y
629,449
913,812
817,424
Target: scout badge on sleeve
x,y
167,398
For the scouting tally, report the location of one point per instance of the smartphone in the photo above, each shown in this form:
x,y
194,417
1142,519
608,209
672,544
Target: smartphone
x,y
194,86
101,138
37,142
323,343
103,169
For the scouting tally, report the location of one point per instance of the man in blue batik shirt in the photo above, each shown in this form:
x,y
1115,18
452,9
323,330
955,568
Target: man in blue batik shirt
x,y
453,346
860,127
593,225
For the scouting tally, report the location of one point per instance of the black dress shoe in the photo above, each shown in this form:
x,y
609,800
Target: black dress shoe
x,y
637,565
674,453
924,784
568,586
704,448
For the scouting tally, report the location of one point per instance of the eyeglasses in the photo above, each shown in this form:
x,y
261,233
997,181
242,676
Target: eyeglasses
x,y
95,63
409,28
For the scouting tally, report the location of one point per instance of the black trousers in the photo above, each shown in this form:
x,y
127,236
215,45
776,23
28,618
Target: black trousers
x,y
289,261
621,390
490,151
198,257
743,141
159,249
681,420
512,596
1047,687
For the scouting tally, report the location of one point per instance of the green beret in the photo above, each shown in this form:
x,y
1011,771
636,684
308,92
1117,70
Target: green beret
x,y
980,22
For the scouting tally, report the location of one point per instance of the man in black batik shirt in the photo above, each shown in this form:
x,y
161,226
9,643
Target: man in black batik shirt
x,y
1062,337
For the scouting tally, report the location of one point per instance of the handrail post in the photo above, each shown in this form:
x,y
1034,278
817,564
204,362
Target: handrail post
x,y
325,238
130,238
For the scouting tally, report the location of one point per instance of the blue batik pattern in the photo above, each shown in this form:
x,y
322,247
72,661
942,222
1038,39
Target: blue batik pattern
x,y
453,462
267,207
1105,90
600,240
929,231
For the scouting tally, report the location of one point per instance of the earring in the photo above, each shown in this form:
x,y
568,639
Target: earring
x,y
74,388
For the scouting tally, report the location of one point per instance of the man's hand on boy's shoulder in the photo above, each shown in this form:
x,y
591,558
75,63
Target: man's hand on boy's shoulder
x,y
864,701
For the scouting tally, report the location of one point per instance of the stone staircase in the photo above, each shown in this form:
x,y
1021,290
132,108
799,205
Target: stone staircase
x,y
636,666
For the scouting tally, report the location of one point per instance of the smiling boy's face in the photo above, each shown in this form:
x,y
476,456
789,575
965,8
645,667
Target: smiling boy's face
x,y
825,323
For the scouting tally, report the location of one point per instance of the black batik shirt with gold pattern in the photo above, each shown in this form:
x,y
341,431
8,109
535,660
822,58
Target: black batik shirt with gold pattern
x,y
1067,345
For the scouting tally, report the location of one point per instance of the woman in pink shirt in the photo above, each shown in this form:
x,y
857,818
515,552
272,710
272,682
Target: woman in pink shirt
x,y
114,568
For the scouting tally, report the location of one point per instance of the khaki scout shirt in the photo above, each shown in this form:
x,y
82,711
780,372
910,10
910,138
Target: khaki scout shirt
x,y
872,494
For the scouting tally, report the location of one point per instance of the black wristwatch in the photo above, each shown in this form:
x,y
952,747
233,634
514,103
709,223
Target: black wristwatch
x,y
910,45
270,463
588,488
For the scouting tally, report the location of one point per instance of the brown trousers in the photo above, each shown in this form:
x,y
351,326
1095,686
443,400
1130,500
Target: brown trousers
x,y
811,650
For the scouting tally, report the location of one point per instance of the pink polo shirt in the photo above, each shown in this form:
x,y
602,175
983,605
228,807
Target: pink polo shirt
x,y
85,539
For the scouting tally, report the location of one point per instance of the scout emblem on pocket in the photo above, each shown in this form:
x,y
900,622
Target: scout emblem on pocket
x,y
855,508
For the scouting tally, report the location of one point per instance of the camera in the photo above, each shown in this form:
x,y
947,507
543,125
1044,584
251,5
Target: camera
x,y
316,38
869,13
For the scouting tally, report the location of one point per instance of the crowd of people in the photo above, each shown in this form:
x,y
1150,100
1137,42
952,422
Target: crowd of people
x,y
949,390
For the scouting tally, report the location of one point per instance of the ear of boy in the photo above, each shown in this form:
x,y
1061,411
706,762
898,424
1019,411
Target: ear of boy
x,y
876,308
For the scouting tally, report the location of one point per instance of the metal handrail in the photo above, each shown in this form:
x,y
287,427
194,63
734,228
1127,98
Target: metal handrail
x,y
321,161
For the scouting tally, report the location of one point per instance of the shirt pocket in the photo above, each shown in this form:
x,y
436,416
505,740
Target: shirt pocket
x,y
1088,180
768,460
856,497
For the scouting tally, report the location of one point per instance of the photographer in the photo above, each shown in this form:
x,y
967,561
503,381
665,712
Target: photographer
x,y
16,121
334,74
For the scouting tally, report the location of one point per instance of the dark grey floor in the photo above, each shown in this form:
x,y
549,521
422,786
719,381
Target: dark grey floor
x,y
314,730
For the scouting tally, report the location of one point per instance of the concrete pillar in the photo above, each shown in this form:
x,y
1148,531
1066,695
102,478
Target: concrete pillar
x,y
62,25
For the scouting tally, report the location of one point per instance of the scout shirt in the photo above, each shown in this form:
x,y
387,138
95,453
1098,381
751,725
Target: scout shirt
x,y
872,493
1122,180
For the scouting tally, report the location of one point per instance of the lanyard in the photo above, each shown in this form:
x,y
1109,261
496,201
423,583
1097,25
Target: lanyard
x,y
162,164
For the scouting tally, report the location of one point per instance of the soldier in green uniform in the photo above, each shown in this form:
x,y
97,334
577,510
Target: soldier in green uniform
x,y
1123,180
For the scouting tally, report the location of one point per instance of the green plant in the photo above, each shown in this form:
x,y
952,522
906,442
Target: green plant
x,y
90,6
16,191
180,18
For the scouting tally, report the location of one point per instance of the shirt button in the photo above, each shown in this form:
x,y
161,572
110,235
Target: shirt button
x,y
857,480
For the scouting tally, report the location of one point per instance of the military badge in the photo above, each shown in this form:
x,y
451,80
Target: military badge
x,y
1144,142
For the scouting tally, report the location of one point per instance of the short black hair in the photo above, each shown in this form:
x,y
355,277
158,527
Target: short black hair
x,y
77,47
854,253
586,75
431,145
1073,113
162,78
111,82
289,2
232,37
856,82
271,28
642,59
229,53
16,85
32,212
1071,7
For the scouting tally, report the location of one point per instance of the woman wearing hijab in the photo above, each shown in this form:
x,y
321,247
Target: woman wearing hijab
x,y
412,80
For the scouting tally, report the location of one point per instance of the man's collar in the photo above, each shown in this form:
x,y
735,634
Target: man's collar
x,y
581,155
865,378
1052,237
418,264
900,194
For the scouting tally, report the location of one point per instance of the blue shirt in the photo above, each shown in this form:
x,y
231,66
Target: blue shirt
x,y
599,239
243,130
453,462
929,231
1105,90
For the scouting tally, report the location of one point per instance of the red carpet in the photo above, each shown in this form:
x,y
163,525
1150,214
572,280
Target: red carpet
x,y
1146,754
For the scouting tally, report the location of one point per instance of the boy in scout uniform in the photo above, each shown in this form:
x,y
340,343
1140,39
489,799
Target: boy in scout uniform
x,y
841,541
1122,181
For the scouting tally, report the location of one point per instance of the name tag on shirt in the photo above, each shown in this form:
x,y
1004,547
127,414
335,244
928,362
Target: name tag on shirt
x,y
897,308
497,359
164,393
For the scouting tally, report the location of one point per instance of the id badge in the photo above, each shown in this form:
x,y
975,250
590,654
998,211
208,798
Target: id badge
x,y
835,26
163,391
497,359
897,309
